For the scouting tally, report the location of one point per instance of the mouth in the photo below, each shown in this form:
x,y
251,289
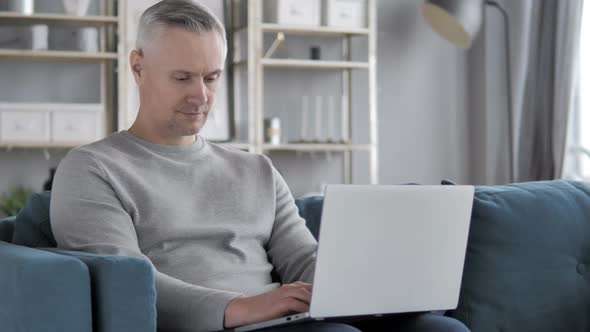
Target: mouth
x,y
193,115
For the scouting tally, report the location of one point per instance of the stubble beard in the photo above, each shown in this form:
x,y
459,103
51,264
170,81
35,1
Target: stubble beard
x,y
182,129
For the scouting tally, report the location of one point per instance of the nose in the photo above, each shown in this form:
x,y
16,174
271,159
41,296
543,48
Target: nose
x,y
198,93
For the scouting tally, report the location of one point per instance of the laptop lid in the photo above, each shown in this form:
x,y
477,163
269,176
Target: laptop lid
x,y
390,249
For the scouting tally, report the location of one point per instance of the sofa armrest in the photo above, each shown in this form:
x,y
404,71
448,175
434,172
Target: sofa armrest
x,y
43,291
123,291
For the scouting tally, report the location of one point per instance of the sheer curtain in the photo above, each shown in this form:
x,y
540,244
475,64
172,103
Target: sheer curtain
x,y
577,157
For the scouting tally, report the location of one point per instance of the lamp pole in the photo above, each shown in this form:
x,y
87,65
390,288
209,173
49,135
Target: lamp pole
x,y
509,86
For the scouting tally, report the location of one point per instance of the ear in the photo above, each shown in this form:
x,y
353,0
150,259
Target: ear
x,y
136,64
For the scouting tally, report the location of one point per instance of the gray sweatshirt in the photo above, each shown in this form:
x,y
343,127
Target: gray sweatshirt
x,y
213,221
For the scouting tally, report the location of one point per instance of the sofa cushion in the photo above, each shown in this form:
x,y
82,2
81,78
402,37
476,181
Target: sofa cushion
x,y
528,257
6,229
32,227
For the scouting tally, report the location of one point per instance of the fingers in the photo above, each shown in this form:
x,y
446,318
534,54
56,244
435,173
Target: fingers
x,y
301,294
300,284
290,305
299,290
288,299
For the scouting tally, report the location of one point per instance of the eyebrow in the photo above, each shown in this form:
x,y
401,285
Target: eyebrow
x,y
180,71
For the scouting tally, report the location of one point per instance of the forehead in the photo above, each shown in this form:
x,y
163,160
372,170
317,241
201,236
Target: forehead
x,y
178,48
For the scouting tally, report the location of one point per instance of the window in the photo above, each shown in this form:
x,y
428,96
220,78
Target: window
x,y
580,144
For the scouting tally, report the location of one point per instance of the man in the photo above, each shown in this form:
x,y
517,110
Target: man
x,y
214,222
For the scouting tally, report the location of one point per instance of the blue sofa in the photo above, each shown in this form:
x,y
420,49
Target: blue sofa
x,y
47,289
527,268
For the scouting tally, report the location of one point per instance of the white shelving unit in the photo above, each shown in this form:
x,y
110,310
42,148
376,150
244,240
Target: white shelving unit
x,y
256,64
107,23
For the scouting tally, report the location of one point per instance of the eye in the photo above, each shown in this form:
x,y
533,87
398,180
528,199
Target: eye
x,y
182,78
212,78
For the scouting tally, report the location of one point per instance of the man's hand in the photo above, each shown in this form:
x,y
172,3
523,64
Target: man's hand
x,y
279,302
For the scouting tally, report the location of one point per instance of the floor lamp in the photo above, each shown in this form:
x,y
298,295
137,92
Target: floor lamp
x,y
459,21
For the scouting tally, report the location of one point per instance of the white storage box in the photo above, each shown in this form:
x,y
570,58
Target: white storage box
x,y
77,123
293,12
41,123
24,125
345,13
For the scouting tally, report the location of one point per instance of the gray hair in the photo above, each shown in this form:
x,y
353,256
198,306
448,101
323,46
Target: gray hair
x,y
186,14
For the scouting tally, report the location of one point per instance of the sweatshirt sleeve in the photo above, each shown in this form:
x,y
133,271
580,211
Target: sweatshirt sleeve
x,y
87,215
292,248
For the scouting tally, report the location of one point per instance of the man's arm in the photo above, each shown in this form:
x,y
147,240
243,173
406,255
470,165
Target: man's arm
x,y
87,215
291,248
292,251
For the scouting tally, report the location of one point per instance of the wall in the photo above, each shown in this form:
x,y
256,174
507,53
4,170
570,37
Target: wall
x,y
28,168
422,112
422,97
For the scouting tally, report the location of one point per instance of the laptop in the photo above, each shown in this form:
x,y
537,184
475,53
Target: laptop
x,y
386,250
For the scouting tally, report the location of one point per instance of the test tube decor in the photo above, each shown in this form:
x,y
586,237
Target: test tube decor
x,y
331,137
319,101
345,120
304,118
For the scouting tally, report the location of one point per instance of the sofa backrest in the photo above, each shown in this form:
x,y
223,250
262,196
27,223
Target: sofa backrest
x,y
310,209
528,253
6,229
32,226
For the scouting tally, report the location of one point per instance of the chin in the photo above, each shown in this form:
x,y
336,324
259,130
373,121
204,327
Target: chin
x,y
190,132
196,129
187,129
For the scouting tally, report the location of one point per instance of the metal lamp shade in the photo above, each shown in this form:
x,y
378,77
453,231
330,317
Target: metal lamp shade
x,y
458,21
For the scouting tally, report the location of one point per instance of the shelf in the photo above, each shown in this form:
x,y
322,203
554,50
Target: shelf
x,y
56,18
314,64
311,147
311,64
43,106
308,30
40,145
305,30
57,55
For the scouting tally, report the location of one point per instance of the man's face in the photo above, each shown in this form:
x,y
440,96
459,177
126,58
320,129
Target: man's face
x,y
177,73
